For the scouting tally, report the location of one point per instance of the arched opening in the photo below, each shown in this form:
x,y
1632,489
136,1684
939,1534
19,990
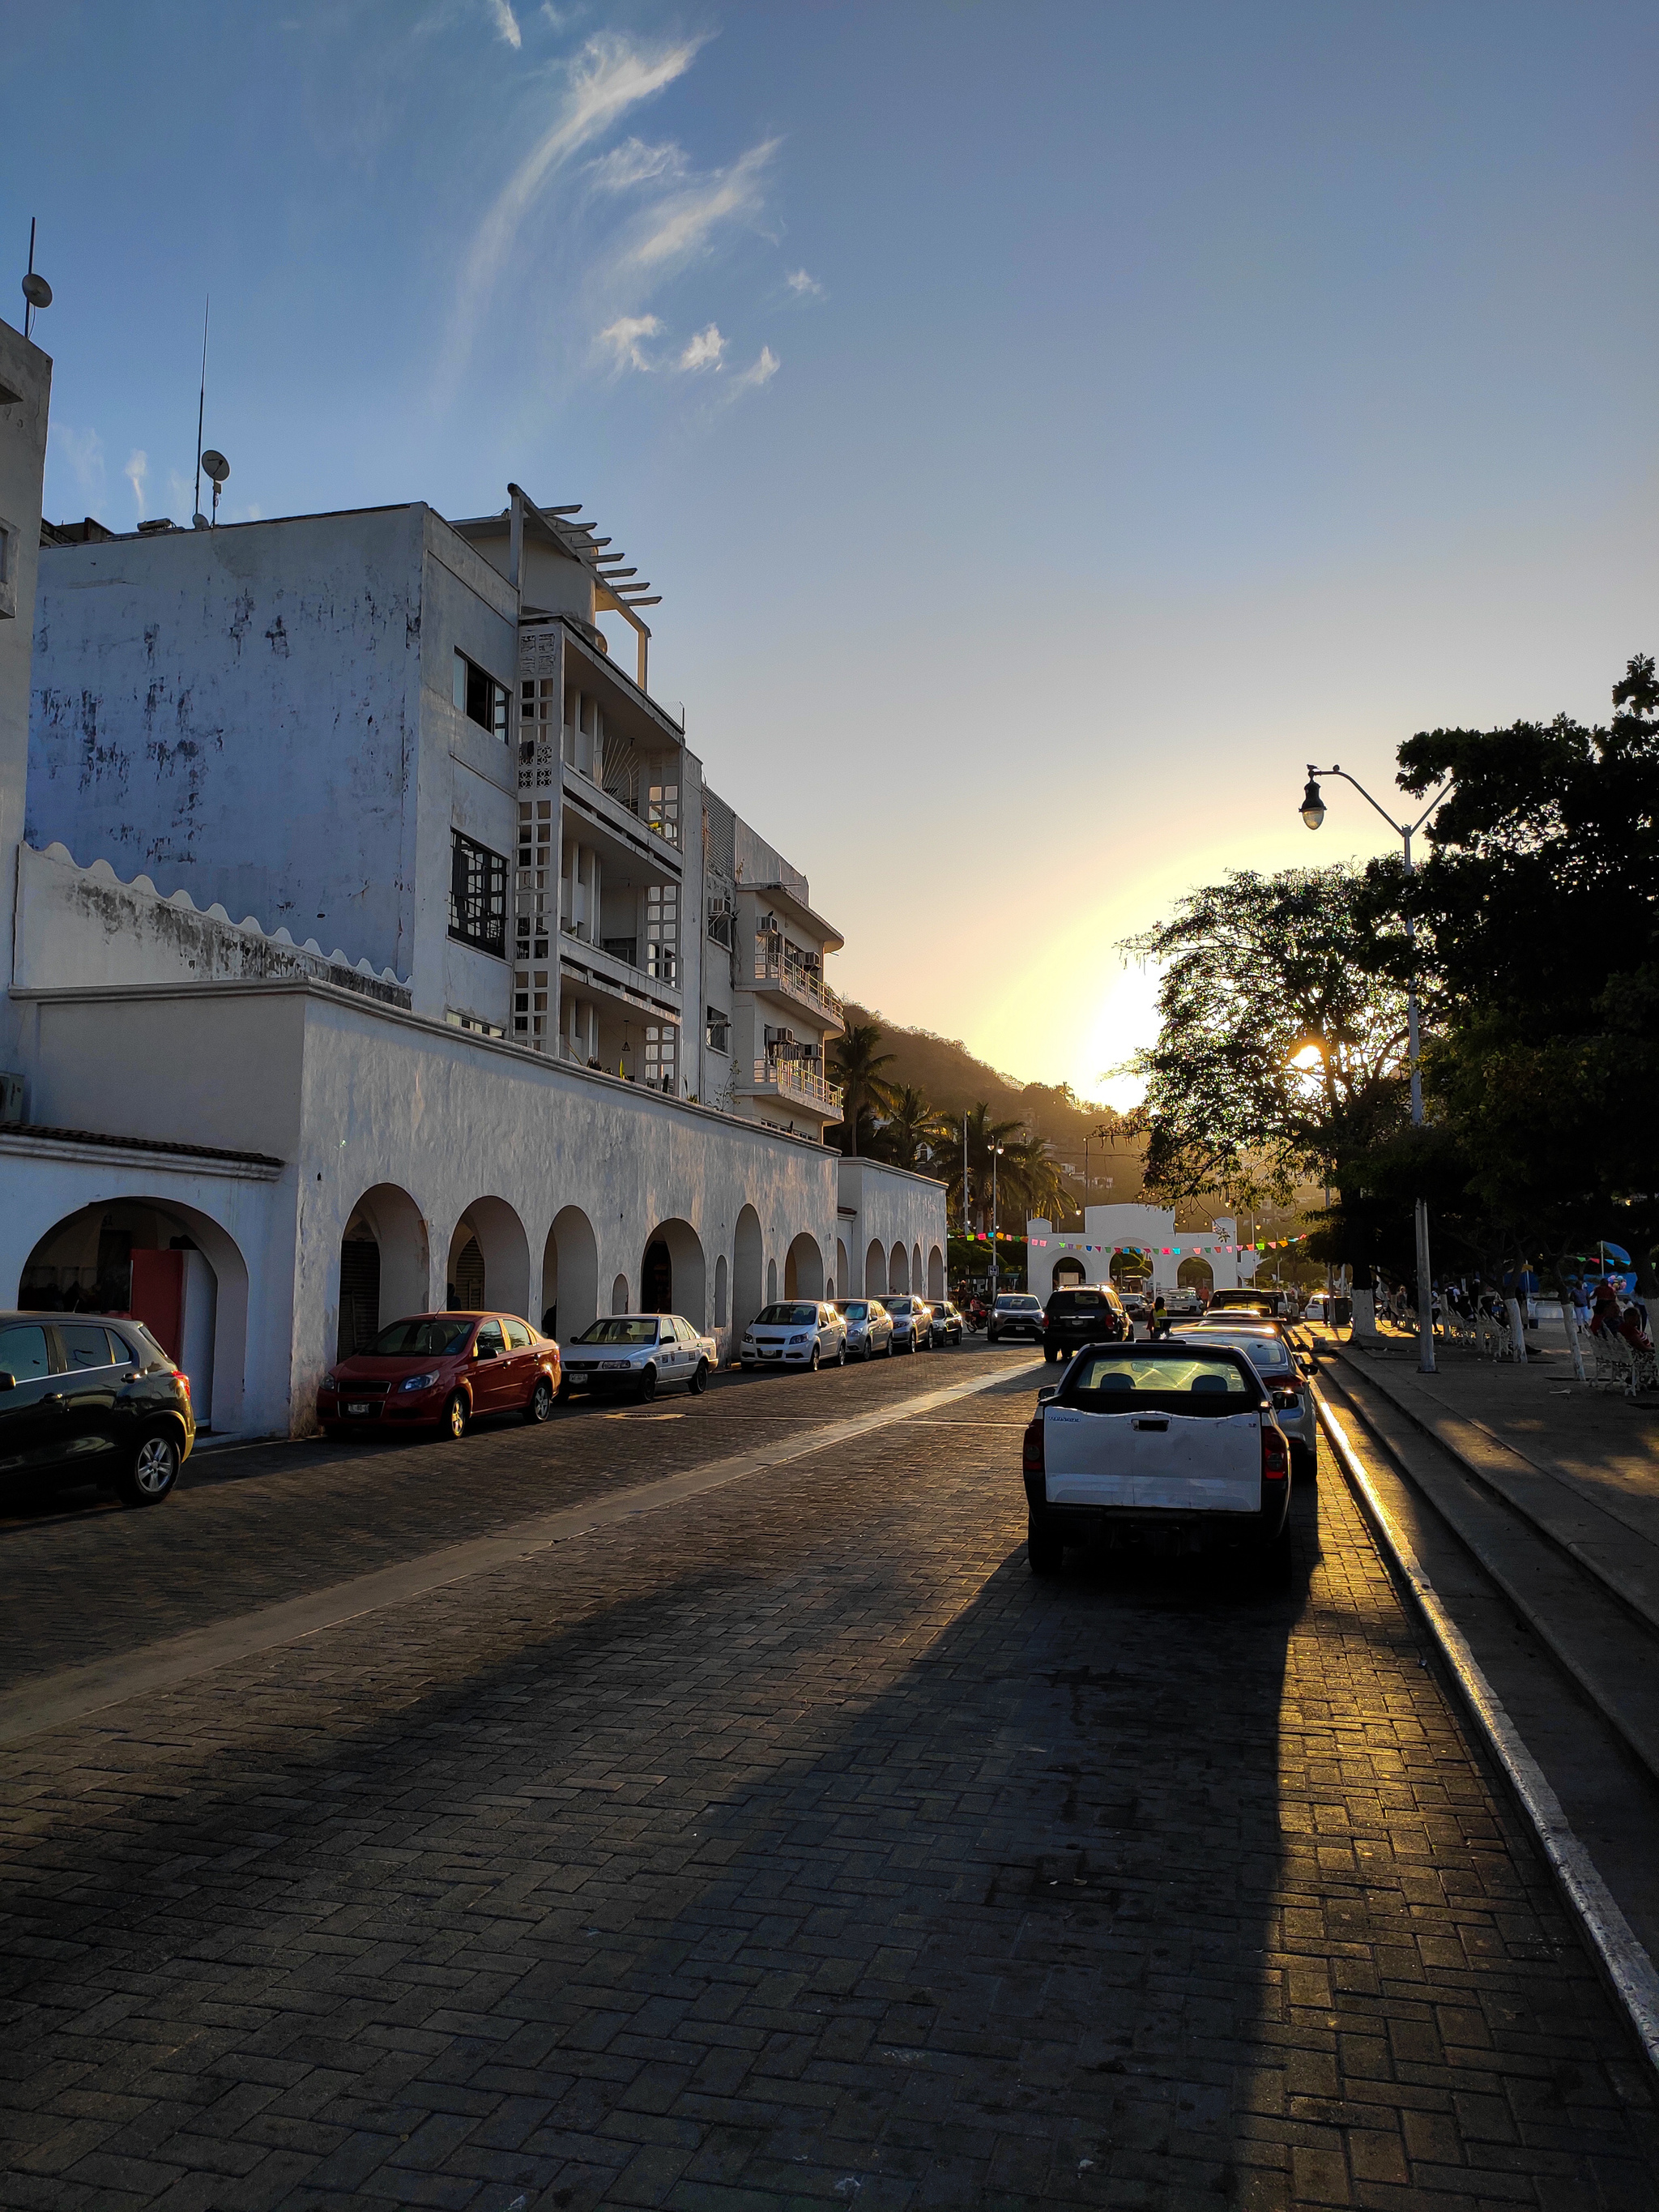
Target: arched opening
x,y
1069,1272
570,1274
1130,1271
803,1268
673,1274
1196,1275
935,1273
747,1267
771,1282
619,1295
917,1277
720,1291
875,1271
384,1268
167,1265
488,1260
898,1269
843,1273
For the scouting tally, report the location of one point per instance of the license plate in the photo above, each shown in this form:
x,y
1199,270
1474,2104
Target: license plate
x,y
357,1409
770,1355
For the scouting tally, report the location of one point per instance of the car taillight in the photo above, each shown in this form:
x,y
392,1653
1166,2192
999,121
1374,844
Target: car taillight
x,y
1275,1455
1032,1457
179,1375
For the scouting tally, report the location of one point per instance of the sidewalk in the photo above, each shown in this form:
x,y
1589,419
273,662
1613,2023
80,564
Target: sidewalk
x,y
1582,1464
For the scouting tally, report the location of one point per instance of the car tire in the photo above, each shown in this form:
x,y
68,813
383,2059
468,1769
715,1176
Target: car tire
x,y
1049,1355
887,1349
1273,1561
990,1336
562,1394
841,1353
1045,1549
646,1388
152,1471
1304,1463
456,1415
541,1403
812,1360
699,1382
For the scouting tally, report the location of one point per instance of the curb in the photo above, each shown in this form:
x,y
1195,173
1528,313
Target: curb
x,y
1618,1951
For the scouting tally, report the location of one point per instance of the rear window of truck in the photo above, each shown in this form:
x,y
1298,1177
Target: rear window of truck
x,y
1216,1382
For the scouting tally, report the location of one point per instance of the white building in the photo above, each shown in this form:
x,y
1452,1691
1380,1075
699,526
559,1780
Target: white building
x,y
1055,1257
565,1051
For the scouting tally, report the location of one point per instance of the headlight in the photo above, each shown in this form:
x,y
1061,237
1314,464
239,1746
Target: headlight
x,y
419,1382
798,1340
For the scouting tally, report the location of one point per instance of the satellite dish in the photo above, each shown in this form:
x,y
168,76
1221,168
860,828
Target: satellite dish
x,y
37,291
215,464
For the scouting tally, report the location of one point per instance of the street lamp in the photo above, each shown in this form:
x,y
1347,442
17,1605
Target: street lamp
x,y
996,1154
1313,813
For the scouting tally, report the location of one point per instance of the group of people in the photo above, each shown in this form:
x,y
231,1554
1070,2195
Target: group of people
x,y
1600,1314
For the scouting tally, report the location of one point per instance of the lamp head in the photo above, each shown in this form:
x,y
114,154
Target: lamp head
x,y
1312,806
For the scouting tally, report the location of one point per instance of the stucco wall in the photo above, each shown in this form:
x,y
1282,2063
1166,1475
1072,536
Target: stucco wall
x,y
900,1212
25,371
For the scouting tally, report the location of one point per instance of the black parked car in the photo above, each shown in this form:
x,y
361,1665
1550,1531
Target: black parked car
x,y
1088,1313
84,1400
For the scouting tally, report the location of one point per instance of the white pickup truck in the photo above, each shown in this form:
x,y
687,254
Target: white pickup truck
x,y
1172,1446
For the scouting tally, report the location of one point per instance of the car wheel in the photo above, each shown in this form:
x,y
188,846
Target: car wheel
x,y
1049,1355
646,1388
700,1380
812,1360
1304,1463
1045,1551
455,1415
841,1353
152,1472
541,1403
563,1392
990,1336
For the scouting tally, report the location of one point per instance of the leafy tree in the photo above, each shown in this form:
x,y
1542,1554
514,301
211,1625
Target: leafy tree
x,y
857,1066
910,1132
1538,916
1280,1053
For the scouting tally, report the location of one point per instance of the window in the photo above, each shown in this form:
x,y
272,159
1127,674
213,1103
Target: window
x,y
517,1336
470,1022
83,1345
717,1029
539,732
534,904
661,1051
662,931
480,697
23,1351
490,1342
721,924
662,811
477,895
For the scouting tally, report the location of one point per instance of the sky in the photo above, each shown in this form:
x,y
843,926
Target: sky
x,y
1049,427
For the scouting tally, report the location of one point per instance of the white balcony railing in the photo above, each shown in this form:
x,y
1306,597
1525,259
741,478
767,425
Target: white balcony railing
x,y
794,981
798,1078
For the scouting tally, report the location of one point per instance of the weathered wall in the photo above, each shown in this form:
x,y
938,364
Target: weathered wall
x,y
83,925
888,1205
25,380
236,712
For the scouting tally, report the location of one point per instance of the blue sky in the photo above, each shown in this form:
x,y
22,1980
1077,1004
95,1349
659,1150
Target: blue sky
x,y
1048,426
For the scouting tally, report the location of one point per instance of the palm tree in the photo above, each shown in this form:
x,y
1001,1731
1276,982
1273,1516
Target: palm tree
x,y
1030,1175
857,1067
911,1129
983,1136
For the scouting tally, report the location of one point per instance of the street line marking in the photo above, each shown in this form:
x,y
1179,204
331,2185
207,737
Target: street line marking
x,y
1623,1957
75,1693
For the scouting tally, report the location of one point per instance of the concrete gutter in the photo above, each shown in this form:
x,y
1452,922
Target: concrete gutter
x,y
1618,1951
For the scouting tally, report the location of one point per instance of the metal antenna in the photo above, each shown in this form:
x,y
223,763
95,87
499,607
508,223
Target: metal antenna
x,y
37,293
201,410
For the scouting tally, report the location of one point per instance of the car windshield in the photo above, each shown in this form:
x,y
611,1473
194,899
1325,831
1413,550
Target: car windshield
x,y
786,1316
1186,1383
420,1340
1263,1352
1016,1305
619,1329
855,1310
1076,1301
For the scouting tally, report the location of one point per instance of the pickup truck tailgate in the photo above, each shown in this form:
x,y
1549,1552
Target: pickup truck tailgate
x,y
1171,1462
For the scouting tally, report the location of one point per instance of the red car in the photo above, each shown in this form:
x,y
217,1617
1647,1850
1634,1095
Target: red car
x,y
437,1370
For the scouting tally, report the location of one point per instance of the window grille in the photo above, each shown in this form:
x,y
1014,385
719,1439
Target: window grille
x,y
661,1057
662,811
477,895
539,732
662,931
717,1029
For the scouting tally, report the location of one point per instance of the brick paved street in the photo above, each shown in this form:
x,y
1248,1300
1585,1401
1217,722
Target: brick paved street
x,y
794,1847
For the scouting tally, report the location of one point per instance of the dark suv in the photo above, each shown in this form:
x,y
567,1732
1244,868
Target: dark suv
x,y
1089,1314
84,1399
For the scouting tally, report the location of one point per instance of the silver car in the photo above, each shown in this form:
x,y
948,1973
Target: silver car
x,y
869,1329
912,1321
795,1333
1269,1350
637,1353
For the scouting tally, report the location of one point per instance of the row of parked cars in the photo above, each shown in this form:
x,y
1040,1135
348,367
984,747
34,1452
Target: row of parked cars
x,y
98,1399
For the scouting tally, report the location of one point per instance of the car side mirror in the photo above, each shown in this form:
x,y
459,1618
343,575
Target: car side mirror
x,y
1045,1397
7,1382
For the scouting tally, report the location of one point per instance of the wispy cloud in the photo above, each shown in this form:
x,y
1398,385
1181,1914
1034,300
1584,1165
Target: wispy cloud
x,y
633,163
137,470
679,227
84,451
705,351
623,338
507,23
611,75
763,370
803,286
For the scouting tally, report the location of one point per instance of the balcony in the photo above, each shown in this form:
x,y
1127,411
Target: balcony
x,y
798,1083
777,976
642,828
609,968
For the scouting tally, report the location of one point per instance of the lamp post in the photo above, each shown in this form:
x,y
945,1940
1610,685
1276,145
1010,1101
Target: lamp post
x,y
1313,813
996,1154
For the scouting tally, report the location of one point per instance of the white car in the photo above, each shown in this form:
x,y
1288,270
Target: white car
x,y
869,1329
636,1353
795,1333
1172,1448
